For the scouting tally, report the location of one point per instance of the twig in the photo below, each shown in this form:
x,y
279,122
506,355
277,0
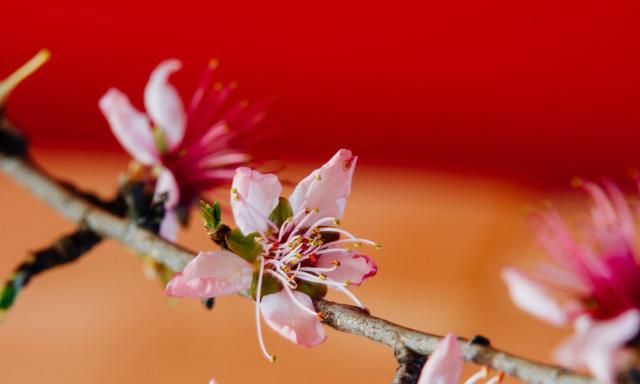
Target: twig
x,y
83,210
63,251
410,365
342,317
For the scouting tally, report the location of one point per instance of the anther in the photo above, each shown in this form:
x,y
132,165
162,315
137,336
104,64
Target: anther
x,y
336,263
214,63
322,277
357,245
318,177
347,283
496,379
320,316
377,246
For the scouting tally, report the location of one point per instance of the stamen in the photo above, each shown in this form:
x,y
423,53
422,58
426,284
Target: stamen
x,y
337,230
318,223
319,270
332,283
496,379
18,76
293,298
481,374
263,348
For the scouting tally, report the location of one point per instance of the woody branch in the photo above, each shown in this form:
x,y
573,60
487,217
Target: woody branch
x,y
88,211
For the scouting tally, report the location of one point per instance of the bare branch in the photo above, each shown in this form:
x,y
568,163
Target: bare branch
x,y
86,210
410,365
344,318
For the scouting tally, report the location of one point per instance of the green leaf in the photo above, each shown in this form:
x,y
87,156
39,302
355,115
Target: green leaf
x,y
313,290
8,295
281,213
269,285
212,215
244,246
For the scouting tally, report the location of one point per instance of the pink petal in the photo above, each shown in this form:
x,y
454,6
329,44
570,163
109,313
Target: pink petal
x,y
444,365
254,196
169,226
290,321
352,266
533,297
596,344
163,103
212,274
129,126
168,184
326,188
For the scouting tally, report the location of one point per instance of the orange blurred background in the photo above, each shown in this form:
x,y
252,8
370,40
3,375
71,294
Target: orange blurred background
x,y
463,114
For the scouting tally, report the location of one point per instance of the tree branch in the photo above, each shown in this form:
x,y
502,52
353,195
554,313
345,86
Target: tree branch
x,y
342,317
410,365
97,221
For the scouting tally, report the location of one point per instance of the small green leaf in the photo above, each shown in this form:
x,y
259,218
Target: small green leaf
x,y
244,246
281,213
8,295
313,290
217,214
211,215
270,285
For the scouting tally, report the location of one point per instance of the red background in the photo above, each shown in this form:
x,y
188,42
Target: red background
x,y
542,90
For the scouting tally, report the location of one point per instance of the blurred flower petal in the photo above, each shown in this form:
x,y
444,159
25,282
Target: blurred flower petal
x,y
444,365
163,103
595,344
533,297
129,126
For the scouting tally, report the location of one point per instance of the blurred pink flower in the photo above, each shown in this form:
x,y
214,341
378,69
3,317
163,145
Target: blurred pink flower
x,y
594,283
191,150
305,246
445,364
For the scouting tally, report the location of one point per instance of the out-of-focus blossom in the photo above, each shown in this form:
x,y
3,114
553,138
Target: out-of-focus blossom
x,y
594,283
190,150
286,251
445,364
10,83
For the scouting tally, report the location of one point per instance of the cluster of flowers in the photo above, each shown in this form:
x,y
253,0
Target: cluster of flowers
x,y
285,251
593,284
288,251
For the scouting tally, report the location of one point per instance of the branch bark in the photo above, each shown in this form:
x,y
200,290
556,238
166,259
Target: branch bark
x,y
344,318
94,216
410,365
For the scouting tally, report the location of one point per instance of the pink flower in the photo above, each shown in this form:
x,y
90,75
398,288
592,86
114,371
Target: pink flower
x,y
300,250
191,150
594,283
445,364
